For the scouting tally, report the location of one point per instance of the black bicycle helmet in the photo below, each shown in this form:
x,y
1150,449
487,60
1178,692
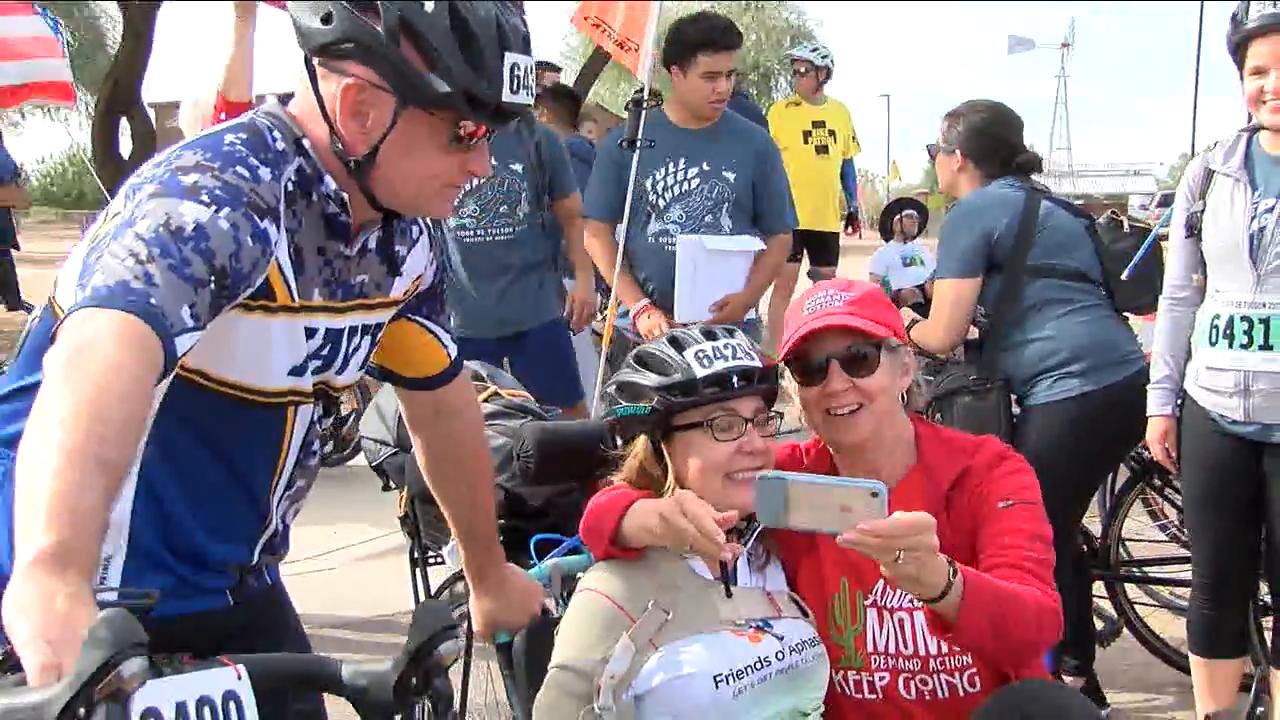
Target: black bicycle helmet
x,y
477,52
686,368
1251,20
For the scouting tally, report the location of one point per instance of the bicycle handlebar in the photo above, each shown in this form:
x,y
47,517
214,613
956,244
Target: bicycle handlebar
x,y
548,571
114,664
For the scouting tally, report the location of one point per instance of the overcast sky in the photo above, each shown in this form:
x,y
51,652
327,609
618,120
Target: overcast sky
x,y
1130,85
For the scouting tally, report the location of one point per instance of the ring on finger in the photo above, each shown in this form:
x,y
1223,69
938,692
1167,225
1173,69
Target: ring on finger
x,y
899,556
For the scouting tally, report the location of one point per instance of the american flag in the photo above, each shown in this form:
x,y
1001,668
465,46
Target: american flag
x,y
33,58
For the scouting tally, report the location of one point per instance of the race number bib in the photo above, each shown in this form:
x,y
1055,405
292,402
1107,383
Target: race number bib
x,y
519,79
221,693
1240,332
709,357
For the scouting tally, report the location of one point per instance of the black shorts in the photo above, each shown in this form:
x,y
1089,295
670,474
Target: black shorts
x,y
823,247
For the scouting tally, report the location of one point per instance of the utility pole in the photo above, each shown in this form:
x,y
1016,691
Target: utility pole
x,y
1195,96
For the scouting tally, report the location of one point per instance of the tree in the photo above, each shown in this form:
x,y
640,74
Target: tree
x,y
769,29
1170,181
121,98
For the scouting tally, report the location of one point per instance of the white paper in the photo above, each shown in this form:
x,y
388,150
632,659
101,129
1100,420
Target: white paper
x,y
224,691
708,267
518,73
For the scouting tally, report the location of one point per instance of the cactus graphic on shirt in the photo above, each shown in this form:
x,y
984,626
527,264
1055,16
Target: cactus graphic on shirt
x,y
845,622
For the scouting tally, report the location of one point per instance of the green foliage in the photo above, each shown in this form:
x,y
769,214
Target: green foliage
x,y
65,181
1170,182
769,29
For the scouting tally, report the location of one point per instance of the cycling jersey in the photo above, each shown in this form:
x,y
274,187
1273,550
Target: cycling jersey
x,y
237,249
814,140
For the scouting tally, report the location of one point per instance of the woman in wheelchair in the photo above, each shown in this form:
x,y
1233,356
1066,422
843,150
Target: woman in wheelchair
x,y
904,267
678,634
924,614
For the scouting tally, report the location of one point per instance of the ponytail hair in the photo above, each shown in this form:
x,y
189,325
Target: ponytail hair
x,y
989,134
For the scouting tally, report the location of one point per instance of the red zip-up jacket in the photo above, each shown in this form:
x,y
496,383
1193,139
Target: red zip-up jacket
x,y
890,656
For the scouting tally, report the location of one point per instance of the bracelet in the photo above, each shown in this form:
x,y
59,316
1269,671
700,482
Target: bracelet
x,y
641,309
914,322
953,572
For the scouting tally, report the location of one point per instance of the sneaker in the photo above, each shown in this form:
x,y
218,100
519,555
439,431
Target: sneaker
x,y
1091,689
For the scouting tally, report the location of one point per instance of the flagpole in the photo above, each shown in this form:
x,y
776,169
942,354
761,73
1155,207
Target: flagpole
x,y
611,313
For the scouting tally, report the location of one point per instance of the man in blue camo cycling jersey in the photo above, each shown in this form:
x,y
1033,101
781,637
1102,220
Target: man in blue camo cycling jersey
x,y
158,424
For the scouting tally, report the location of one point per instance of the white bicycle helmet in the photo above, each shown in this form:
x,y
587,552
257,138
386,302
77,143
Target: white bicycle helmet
x,y
816,53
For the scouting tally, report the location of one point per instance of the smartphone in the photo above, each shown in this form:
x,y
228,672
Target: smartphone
x,y
818,503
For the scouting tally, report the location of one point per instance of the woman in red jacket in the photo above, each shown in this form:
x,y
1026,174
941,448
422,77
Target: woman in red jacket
x,y
925,613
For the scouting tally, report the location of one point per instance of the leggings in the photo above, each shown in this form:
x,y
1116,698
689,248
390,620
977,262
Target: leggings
x,y
1231,503
1073,445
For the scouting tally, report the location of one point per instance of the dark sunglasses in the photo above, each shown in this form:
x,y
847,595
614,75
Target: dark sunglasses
x,y
803,71
467,133
858,360
730,427
936,149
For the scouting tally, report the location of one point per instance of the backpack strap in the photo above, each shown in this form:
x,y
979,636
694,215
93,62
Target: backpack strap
x,y
1011,284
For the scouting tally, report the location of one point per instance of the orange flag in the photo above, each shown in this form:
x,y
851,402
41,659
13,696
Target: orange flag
x,y
617,26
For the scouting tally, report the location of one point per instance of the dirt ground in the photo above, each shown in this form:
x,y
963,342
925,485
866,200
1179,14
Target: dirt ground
x,y
1139,686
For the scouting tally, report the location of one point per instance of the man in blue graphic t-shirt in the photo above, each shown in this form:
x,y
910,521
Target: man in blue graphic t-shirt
x,y
709,173
507,301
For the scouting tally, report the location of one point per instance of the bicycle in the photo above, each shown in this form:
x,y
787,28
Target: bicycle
x,y
1154,561
115,675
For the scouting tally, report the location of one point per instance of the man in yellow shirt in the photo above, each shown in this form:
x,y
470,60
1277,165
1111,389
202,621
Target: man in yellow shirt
x,y
818,143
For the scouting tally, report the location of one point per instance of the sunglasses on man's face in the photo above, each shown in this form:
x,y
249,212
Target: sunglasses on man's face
x,y
936,149
466,134
801,72
857,360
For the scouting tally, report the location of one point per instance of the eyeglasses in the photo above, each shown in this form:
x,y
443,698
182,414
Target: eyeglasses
x,y
802,71
730,427
936,149
859,360
466,134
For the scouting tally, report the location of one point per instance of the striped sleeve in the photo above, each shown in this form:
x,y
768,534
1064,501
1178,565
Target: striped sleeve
x,y
416,350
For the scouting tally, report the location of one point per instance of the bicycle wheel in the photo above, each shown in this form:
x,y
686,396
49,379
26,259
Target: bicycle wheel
x,y
1146,574
486,696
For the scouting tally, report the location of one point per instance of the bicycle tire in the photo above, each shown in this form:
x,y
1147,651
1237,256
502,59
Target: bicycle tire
x,y
454,591
1148,637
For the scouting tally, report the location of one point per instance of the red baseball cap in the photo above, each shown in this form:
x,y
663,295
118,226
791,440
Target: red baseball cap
x,y
844,304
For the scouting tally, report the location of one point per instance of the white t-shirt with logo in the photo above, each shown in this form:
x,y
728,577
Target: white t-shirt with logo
x,y
774,668
905,265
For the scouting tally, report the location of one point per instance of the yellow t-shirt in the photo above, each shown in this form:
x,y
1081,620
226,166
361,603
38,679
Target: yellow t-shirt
x,y
814,141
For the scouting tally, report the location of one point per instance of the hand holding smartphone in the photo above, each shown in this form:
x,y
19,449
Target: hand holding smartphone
x,y
818,503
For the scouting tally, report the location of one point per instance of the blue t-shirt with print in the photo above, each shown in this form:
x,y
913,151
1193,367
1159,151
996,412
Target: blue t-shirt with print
x,y
509,279
1066,338
1264,178
724,179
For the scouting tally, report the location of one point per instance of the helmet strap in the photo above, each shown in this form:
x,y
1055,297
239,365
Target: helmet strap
x,y
360,169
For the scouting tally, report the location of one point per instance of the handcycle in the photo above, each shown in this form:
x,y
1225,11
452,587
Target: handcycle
x,y
115,677
501,679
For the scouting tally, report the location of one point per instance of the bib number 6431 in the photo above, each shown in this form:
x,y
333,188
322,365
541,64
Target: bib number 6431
x,y
1248,333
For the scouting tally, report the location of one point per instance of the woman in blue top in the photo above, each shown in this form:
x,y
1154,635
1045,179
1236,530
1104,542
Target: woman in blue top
x,y
1073,362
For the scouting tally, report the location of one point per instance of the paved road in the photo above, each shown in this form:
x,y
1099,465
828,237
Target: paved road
x,y
348,571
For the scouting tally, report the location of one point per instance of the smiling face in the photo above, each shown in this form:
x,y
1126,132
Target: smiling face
x,y
722,473
1261,79
849,413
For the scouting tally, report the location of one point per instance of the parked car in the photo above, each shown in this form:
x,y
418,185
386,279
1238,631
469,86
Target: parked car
x,y
1161,203
1138,205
